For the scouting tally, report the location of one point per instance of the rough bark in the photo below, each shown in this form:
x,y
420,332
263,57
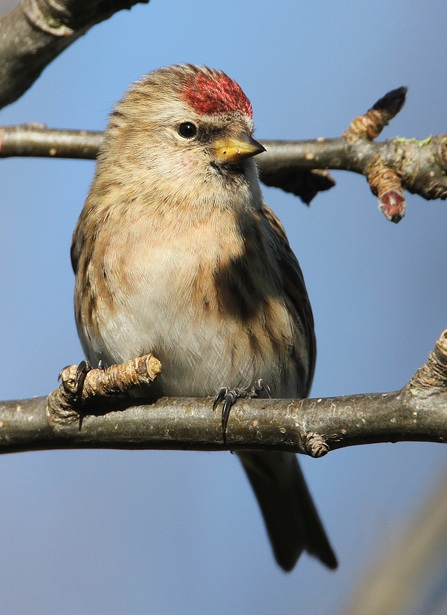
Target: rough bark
x,y
96,418
34,33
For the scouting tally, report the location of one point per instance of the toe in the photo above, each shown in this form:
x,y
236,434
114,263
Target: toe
x,y
83,369
220,396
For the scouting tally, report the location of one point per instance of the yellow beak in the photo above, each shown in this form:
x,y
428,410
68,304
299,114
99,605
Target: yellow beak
x,y
232,150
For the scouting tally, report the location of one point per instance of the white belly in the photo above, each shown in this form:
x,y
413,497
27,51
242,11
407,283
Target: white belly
x,y
170,312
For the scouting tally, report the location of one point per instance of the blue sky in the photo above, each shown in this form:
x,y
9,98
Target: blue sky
x,y
172,532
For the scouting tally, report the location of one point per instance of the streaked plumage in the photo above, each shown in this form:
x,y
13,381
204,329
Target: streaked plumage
x,y
175,253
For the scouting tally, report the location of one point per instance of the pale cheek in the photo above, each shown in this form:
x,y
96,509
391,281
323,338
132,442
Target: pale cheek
x,y
178,166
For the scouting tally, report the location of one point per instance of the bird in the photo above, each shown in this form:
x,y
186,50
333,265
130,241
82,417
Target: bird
x,y
176,253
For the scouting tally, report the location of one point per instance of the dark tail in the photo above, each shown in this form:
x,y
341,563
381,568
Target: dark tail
x,y
290,516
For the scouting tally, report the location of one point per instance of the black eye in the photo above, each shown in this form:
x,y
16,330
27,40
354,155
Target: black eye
x,y
187,130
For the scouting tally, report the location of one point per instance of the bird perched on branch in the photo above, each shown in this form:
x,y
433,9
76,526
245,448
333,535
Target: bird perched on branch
x,y
176,253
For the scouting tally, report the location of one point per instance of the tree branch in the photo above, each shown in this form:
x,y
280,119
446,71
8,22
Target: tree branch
x,y
299,167
313,427
37,31
36,140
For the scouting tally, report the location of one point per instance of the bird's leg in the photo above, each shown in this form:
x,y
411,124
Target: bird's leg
x,y
230,396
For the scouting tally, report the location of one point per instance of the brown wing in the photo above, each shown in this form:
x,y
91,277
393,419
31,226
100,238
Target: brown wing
x,y
290,515
294,289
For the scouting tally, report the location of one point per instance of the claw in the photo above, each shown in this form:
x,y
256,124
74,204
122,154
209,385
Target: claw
x,y
83,369
230,396
220,396
263,386
60,373
230,400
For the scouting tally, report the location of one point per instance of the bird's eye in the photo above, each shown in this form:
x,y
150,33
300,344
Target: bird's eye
x,y
187,130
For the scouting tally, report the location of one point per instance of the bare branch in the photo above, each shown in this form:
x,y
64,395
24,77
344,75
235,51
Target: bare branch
x,y
310,426
299,167
37,140
37,31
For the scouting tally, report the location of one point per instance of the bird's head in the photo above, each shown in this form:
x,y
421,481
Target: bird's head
x,y
186,128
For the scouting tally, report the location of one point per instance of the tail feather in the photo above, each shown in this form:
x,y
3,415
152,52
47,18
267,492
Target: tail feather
x,y
290,516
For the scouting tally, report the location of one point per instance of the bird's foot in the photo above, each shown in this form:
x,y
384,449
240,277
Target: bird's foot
x,y
83,369
230,396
